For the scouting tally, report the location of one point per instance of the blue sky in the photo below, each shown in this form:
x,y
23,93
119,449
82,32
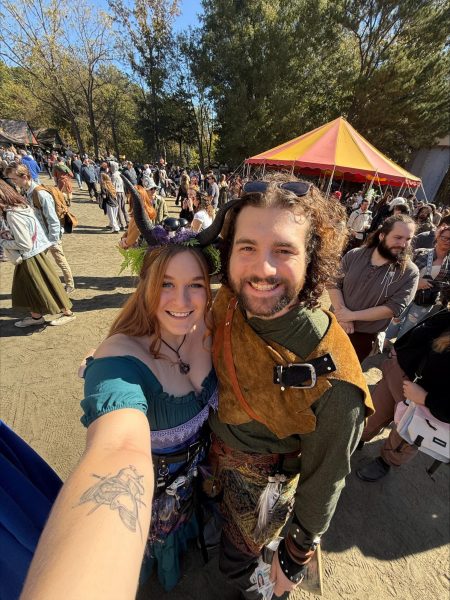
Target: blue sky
x,y
189,10
189,14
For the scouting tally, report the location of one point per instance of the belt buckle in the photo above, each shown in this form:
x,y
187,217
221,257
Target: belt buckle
x,y
312,372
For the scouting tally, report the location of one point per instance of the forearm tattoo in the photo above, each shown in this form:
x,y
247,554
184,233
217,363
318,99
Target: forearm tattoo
x,y
121,492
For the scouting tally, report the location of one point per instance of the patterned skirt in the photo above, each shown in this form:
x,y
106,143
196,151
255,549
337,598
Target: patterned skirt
x,y
243,478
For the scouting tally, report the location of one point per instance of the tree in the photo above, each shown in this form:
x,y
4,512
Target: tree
x,y
147,25
275,70
270,69
31,38
400,87
61,48
90,48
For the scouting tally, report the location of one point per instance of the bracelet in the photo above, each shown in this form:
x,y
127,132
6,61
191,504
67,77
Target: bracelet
x,y
293,571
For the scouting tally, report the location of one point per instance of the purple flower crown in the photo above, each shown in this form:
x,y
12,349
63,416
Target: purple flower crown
x,y
182,236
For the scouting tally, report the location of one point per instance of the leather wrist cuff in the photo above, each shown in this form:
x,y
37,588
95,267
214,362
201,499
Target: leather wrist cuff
x,y
301,538
293,571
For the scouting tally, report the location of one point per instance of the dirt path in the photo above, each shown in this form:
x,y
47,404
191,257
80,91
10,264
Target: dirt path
x,y
387,540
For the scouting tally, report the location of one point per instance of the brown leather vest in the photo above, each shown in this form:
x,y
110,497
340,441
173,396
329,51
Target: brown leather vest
x,y
244,365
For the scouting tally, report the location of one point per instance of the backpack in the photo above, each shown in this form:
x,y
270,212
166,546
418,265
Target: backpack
x,y
61,207
66,218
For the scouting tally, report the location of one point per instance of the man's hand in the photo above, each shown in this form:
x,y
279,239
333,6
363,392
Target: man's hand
x,y
281,583
347,326
414,392
424,284
344,314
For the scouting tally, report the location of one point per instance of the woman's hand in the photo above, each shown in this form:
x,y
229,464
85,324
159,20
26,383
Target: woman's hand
x,y
414,392
343,314
347,326
424,284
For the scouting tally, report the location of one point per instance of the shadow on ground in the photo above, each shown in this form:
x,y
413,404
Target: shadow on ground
x,y
105,283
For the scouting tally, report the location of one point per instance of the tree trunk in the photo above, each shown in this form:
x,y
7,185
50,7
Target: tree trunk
x,y
114,137
77,135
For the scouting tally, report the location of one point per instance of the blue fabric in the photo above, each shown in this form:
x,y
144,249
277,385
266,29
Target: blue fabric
x,y
117,382
28,488
32,165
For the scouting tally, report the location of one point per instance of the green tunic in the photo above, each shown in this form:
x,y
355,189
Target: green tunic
x,y
325,453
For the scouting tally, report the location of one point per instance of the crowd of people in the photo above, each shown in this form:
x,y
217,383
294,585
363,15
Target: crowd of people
x,y
241,452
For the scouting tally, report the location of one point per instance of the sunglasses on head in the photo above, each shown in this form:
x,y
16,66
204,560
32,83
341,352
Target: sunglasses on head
x,y
299,188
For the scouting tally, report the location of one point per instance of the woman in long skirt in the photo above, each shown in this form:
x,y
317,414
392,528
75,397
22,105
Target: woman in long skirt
x,y
35,286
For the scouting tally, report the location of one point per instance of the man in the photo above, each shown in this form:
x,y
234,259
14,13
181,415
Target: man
x,y
161,177
158,203
424,219
89,176
358,224
76,169
377,283
213,191
428,238
130,172
32,166
279,248
337,195
46,213
122,213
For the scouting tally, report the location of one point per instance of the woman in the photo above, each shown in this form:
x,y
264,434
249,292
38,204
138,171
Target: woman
x,y
35,286
223,190
131,236
187,205
63,177
184,187
423,354
203,212
156,364
434,267
110,202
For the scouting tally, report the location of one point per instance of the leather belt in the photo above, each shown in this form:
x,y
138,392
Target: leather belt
x,y
303,375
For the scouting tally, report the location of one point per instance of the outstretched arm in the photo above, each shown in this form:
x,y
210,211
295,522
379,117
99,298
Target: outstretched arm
x,y
94,540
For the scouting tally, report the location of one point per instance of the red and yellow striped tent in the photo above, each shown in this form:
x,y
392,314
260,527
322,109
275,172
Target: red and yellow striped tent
x,y
336,149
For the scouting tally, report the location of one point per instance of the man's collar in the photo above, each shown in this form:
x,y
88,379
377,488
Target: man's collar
x,y
31,188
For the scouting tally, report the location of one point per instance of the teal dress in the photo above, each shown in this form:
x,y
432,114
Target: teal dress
x,y
117,382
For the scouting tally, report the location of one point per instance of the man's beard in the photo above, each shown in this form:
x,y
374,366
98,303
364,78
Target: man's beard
x,y
264,307
386,253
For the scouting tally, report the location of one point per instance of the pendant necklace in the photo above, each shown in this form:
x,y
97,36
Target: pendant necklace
x,y
183,366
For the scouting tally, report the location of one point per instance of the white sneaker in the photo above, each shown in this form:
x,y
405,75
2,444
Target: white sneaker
x,y
63,320
29,321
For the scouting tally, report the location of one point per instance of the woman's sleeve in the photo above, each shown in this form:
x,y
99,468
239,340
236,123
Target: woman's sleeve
x,y
112,383
22,238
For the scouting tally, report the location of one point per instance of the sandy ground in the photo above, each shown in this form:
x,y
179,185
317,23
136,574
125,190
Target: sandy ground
x,y
387,540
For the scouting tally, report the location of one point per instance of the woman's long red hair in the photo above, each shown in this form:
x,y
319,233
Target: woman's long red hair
x,y
149,208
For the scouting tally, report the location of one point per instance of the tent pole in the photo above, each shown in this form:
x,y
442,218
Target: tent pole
x,y
263,170
293,165
330,182
400,190
372,180
423,190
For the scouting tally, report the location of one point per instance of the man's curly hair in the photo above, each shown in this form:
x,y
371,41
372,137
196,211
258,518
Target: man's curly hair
x,y
327,234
